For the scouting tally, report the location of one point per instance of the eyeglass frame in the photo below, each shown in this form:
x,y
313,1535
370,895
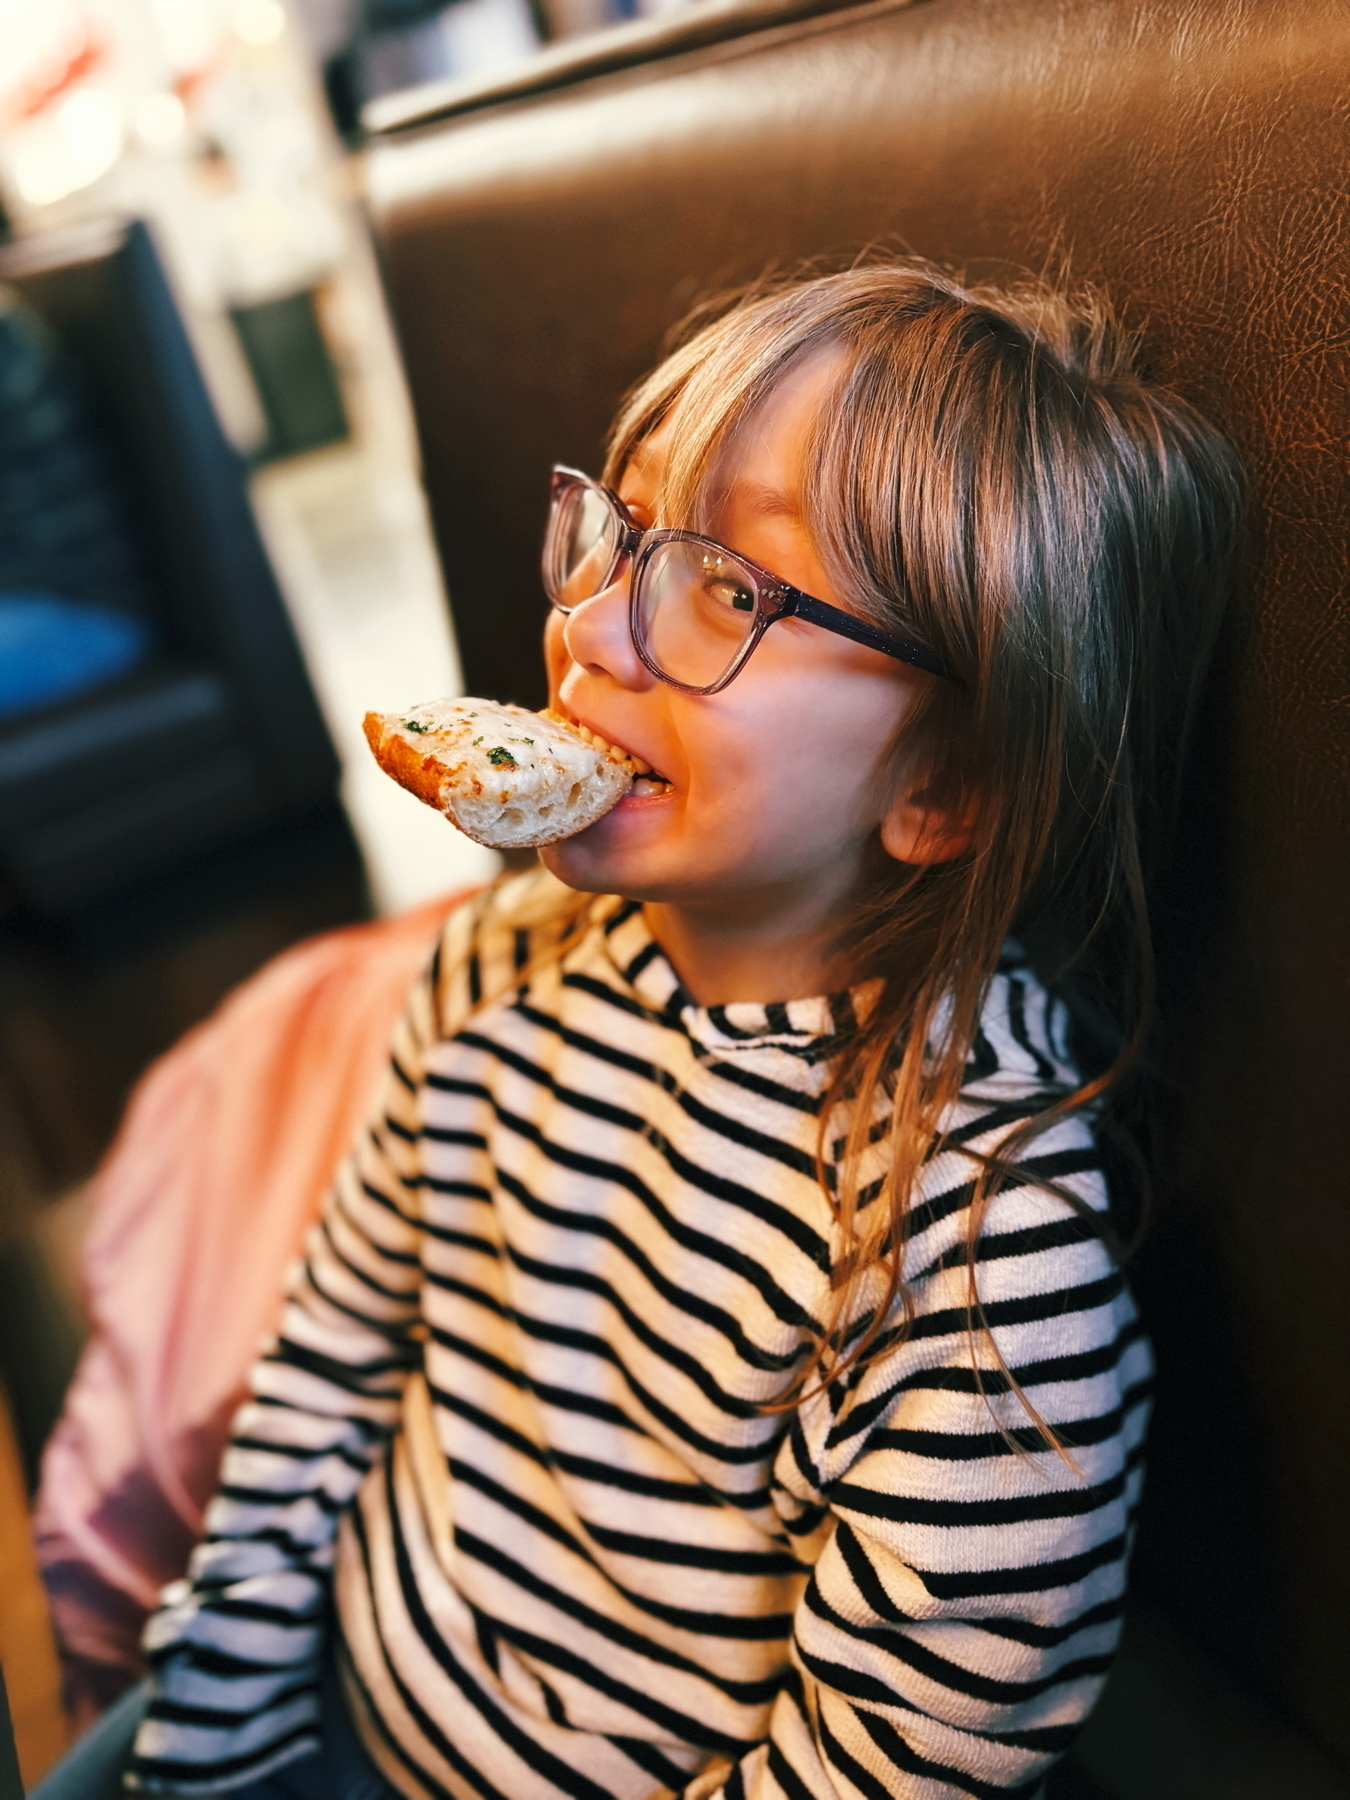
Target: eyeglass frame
x,y
774,598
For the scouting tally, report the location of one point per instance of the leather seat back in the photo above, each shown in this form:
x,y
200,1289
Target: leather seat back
x,y
540,236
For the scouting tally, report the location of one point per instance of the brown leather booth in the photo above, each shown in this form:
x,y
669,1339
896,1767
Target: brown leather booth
x,y
539,236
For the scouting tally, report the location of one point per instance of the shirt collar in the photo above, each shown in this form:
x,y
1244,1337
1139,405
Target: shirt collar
x,y
809,1028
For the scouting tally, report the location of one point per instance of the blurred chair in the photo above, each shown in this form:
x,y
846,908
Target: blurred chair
x,y
540,233
217,737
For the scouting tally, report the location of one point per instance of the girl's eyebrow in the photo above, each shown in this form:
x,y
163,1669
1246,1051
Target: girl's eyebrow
x,y
759,498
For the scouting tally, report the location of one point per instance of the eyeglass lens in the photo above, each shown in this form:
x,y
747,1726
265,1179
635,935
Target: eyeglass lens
x,y
695,606
583,539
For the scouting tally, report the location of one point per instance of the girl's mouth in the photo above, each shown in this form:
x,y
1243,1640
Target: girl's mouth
x,y
646,783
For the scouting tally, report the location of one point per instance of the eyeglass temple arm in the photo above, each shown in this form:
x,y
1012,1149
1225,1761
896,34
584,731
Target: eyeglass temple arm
x,y
803,606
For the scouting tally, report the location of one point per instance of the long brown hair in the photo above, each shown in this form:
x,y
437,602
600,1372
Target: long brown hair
x,y
993,474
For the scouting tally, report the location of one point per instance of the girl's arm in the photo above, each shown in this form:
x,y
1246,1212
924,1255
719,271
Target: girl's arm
x,y
961,1615
235,1647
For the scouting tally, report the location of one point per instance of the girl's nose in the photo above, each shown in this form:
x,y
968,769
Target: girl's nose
x,y
598,638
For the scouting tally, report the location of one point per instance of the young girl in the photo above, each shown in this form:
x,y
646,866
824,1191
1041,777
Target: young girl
x,y
710,1375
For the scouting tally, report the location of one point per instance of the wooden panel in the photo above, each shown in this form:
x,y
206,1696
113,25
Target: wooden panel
x,y
27,1653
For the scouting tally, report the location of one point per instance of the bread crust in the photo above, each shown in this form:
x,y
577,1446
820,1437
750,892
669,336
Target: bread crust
x,y
421,775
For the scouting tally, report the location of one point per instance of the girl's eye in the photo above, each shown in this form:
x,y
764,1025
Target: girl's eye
x,y
734,595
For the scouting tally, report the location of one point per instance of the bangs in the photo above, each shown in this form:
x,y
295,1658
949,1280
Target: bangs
x,y
710,388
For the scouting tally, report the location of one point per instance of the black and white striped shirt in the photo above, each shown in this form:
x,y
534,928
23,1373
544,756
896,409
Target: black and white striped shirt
x,y
581,1245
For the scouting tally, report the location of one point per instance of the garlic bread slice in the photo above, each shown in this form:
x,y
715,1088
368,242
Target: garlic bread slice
x,y
508,778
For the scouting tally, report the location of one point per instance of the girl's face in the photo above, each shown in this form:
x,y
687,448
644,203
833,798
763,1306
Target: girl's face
x,y
775,783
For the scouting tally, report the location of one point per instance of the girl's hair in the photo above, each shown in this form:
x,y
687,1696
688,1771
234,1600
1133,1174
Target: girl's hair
x,y
993,474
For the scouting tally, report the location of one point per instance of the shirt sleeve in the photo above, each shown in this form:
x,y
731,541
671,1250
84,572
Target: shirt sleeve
x,y
968,1582
235,1648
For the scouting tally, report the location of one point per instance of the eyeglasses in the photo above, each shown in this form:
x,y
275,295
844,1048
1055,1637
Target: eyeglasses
x,y
696,610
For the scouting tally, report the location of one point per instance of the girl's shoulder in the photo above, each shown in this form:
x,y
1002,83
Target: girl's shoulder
x,y
1020,1070
1021,1045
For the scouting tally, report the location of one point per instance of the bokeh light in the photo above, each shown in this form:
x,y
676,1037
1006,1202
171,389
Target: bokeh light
x,y
258,22
82,140
160,121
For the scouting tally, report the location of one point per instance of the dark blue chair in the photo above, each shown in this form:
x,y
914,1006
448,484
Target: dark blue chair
x,y
217,737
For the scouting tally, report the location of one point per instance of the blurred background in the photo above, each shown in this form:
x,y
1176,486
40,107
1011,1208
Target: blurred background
x,y
214,558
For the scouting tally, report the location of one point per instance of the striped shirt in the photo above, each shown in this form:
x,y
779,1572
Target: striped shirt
x,y
514,1420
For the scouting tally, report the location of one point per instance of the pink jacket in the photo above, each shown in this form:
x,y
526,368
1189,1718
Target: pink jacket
x,y
227,1148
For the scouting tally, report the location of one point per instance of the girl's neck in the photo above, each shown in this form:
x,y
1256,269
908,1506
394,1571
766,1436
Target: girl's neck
x,y
722,960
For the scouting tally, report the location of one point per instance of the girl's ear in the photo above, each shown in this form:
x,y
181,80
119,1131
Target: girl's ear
x,y
919,828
